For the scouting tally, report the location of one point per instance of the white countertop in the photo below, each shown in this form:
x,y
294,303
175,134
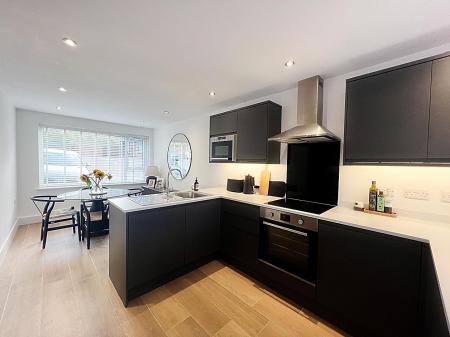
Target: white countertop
x,y
436,233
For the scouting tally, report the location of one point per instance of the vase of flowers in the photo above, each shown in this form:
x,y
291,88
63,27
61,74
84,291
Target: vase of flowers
x,y
94,181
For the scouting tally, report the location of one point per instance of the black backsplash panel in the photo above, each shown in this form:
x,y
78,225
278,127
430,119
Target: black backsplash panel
x,y
313,172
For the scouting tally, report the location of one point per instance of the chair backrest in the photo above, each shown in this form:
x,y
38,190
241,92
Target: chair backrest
x,y
87,205
48,203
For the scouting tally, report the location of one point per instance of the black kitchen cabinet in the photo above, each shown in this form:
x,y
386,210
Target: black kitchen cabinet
x,y
253,125
252,134
240,228
202,230
370,282
439,139
387,116
238,245
158,244
224,123
151,247
434,319
256,124
400,115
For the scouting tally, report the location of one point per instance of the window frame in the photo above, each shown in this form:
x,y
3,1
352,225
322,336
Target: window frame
x,y
41,170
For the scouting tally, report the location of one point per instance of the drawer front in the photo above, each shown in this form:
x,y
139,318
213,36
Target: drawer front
x,y
243,224
240,209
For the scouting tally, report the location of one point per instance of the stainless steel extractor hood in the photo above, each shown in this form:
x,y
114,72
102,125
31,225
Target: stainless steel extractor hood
x,y
309,127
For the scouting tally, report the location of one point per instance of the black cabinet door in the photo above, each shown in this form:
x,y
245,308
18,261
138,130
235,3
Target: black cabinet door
x,y
387,116
158,244
223,124
240,231
238,245
202,230
370,281
439,141
434,320
252,134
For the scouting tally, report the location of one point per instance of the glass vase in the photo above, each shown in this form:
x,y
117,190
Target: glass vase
x,y
97,189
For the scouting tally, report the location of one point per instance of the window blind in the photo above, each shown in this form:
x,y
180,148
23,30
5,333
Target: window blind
x,y
65,154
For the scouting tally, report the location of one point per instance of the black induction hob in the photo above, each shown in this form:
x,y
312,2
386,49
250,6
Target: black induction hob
x,y
301,205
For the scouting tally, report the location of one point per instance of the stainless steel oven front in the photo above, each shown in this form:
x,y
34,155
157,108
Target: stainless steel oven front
x,y
288,242
222,148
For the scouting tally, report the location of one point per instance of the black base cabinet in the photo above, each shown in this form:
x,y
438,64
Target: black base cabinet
x,y
202,230
433,312
151,247
372,284
240,228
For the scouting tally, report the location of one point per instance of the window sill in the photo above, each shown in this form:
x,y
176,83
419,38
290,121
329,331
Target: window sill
x,y
65,187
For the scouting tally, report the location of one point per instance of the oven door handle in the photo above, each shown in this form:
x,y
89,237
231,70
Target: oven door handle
x,y
284,228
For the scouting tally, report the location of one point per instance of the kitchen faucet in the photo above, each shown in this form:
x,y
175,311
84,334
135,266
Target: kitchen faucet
x,y
168,176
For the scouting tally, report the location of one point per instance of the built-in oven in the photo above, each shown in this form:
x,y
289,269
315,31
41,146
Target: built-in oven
x,y
288,242
222,148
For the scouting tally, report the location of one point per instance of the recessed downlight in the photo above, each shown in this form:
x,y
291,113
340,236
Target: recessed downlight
x,y
212,93
62,89
166,112
59,107
70,42
289,63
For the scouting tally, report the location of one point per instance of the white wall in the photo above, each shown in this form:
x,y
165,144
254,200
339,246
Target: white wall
x,y
354,180
27,124
7,169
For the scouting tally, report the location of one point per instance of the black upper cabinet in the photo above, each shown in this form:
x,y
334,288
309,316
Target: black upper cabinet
x,y
202,230
387,116
439,141
253,125
370,281
252,134
224,123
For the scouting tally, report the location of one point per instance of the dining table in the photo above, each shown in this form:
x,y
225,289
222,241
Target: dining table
x,y
85,195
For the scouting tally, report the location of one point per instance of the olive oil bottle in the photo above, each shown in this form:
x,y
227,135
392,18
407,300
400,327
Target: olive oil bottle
x,y
373,196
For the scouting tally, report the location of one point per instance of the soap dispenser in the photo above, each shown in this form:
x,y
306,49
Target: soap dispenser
x,y
196,184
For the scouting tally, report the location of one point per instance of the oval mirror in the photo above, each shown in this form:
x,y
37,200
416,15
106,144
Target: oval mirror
x,y
179,156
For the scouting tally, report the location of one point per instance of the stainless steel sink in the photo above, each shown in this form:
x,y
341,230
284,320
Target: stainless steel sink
x,y
190,194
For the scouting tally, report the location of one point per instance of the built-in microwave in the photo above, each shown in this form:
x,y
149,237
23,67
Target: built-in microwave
x,y
222,148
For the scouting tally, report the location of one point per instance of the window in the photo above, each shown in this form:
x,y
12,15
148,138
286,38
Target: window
x,y
65,154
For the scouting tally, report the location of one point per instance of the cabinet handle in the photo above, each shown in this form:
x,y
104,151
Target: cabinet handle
x,y
284,228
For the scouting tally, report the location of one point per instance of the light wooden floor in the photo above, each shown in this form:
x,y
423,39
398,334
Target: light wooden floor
x,y
65,291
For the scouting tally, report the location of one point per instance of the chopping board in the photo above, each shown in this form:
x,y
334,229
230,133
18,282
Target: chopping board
x,y
264,180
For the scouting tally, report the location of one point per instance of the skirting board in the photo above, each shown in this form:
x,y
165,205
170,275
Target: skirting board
x,y
7,243
28,220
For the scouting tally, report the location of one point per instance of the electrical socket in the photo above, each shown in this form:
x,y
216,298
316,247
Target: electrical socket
x,y
445,196
416,194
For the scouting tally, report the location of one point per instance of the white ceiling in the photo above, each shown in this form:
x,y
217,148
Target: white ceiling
x,y
137,58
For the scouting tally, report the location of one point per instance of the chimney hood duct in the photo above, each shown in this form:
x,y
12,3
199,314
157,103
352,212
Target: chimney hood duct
x,y
309,127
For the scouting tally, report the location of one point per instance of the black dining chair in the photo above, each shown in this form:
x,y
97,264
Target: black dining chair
x,y
93,212
50,216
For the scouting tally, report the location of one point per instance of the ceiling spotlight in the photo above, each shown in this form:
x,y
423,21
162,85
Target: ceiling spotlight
x,y
289,63
58,108
212,93
70,42
166,112
62,89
